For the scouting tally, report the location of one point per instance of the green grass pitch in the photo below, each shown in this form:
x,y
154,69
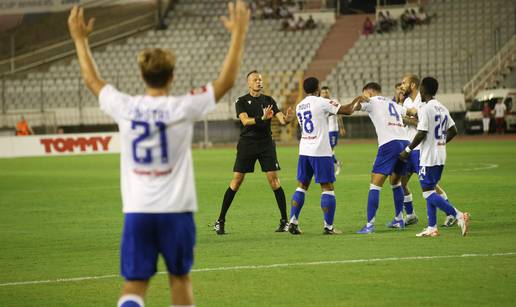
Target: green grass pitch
x,y
60,218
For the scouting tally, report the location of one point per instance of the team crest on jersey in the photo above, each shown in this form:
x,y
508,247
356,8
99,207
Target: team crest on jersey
x,y
249,101
198,91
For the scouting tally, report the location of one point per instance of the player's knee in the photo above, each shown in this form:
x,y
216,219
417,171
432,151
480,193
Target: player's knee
x,y
275,183
130,300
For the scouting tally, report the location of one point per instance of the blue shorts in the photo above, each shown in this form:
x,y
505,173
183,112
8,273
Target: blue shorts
x,y
334,138
322,167
429,176
388,159
146,235
413,162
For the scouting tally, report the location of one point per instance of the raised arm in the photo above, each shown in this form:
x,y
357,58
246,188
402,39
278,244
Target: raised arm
x,y
249,121
353,106
236,23
79,32
285,119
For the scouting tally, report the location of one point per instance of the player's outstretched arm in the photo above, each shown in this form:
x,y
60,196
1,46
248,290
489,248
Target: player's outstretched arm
x,y
236,23
418,138
451,133
353,106
79,31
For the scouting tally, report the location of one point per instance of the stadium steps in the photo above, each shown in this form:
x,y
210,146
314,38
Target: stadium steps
x,y
339,39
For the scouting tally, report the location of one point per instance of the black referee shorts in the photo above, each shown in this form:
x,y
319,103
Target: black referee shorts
x,y
248,151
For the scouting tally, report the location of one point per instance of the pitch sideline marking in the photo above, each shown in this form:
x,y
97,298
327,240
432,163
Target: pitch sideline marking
x,y
266,266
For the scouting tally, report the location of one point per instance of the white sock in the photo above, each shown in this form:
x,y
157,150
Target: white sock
x,y
293,220
330,227
301,190
407,198
370,223
130,298
399,217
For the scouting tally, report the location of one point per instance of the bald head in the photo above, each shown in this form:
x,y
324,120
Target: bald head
x,y
254,82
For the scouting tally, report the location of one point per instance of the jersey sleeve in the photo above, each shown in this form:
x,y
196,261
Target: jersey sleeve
x,y
366,107
330,106
422,118
112,101
451,122
200,102
239,107
275,108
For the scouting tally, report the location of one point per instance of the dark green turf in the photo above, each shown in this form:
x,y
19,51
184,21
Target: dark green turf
x,y
61,218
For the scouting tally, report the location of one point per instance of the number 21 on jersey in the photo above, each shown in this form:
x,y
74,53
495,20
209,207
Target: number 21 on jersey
x,y
146,157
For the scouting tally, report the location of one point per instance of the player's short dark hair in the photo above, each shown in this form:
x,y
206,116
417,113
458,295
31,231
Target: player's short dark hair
x,y
311,85
251,72
372,86
325,88
430,85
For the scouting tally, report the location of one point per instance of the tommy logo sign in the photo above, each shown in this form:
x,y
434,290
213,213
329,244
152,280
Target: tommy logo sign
x,y
96,143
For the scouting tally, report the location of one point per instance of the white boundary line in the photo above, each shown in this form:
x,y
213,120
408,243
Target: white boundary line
x,y
266,266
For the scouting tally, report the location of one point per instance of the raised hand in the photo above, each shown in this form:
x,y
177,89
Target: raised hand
x,y
77,26
238,17
267,113
289,115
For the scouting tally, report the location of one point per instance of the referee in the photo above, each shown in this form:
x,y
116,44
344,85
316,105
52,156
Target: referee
x,y
255,111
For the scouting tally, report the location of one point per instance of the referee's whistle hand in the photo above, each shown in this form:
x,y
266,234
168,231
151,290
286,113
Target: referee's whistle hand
x,y
267,113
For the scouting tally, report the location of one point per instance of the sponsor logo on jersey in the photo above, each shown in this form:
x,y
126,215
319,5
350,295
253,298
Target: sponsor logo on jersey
x,y
334,103
81,144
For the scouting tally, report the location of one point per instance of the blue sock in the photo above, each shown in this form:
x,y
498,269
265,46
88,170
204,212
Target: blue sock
x,y
436,200
407,203
298,200
372,202
432,214
328,204
397,193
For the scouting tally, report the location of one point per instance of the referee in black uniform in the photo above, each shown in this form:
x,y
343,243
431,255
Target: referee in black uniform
x,y
255,111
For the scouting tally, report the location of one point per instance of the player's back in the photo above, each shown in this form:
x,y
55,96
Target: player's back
x,y
387,118
312,114
155,144
436,120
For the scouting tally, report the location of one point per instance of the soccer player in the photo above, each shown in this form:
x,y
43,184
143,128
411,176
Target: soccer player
x,y
315,155
386,116
157,182
399,97
336,128
410,89
435,129
255,111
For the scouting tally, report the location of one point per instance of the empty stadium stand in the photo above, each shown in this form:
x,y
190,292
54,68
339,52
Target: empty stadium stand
x,y
462,37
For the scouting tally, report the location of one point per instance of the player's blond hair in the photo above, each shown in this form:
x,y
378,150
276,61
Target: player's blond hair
x,y
157,66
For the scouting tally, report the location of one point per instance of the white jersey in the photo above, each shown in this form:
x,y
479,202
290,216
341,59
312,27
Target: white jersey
x,y
386,116
436,120
412,104
312,115
333,123
499,110
155,147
